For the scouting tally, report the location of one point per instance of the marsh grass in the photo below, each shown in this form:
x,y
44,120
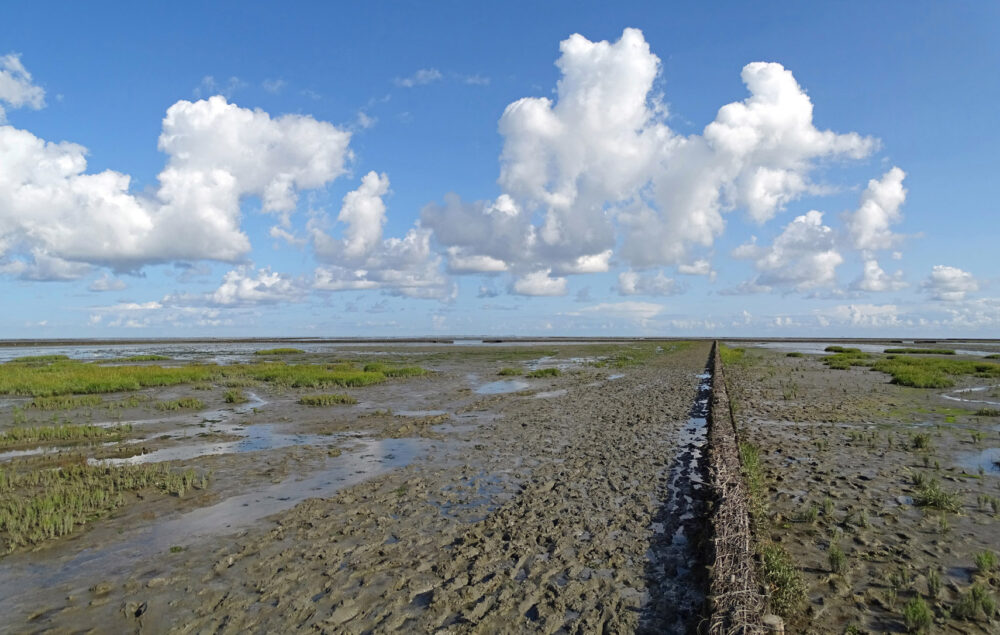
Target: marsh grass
x,y
279,351
544,372
930,494
70,432
919,351
65,402
731,355
988,412
43,504
326,400
836,558
186,403
510,372
917,615
143,358
787,591
986,562
918,372
234,396
975,602
64,377
795,354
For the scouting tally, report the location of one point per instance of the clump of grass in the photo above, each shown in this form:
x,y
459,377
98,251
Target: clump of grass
x,y
919,351
986,562
993,356
65,402
808,514
842,349
234,396
835,556
786,588
510,372
43,504
930,494
753,476
731,355
70,432
795,354
186,403
975,602
326,400
279,351
39,359
988,412
395,371
143,358
933,583
545,372
917,616
921,441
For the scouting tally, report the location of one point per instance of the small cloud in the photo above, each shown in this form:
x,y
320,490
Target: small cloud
x,y
273,86
107,283
422,77
209,87
476,80
366,121
949,284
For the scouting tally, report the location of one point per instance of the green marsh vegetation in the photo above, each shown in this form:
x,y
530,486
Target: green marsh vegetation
x,y
988,412
56,375
234,396
918,372
510,372
38,434
795,354
186,403
544,372
65,402
279,351
919,351
143,358
917,616
39,505
326,400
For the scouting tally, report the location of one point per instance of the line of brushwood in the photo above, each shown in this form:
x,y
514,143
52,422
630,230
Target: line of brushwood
x,y
736,604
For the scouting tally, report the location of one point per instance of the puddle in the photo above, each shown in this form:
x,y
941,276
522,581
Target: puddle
x,y
988,460
615,376
21,575
13,454
419,413
501,387
672,555
548,394
972,392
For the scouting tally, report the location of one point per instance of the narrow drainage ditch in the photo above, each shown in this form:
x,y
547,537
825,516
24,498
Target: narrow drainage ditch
x,y
675,574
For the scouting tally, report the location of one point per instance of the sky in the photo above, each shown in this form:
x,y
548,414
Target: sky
x,y
452,168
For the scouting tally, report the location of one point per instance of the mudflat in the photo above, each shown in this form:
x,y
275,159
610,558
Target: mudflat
x,y
550,488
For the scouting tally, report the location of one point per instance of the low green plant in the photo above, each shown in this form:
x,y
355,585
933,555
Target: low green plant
x,y
921,441
974,603
986,562
68,432
510,372
988,412
930,494
545,372
395,371
795,354
933,583
186,403
326,400
787,591
917,616
731,355
836,558
234,396
279,351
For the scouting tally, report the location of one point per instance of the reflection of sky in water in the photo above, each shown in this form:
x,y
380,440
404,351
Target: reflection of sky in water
x,y
986,459
21,575
501,387
973,395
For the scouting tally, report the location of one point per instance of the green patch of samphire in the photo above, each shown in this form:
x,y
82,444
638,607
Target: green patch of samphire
x,y
544,372
279,351
326,400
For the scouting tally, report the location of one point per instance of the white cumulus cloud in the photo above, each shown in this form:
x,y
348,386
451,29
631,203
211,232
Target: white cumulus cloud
x,y
949,284
17,89
803,256
633,283
540,283
217,153
874,278
870,226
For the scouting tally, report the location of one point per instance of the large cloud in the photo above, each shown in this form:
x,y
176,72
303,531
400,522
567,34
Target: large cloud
x,y
803,256
217,153
598,165
363,259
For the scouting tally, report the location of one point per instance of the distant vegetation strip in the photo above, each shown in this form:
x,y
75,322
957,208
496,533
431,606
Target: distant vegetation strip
x,y
544,372
62,376
279,351
143,358
918,372
919,351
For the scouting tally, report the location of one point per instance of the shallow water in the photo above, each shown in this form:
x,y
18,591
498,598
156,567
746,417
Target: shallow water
x,y
972,392
21,575
502,386
818,348
985,459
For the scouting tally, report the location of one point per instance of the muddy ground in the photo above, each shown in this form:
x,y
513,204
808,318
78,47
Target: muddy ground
x,y
842,444
426,506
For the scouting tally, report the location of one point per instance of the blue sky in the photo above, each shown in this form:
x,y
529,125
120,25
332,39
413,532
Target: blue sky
x,y
461,168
